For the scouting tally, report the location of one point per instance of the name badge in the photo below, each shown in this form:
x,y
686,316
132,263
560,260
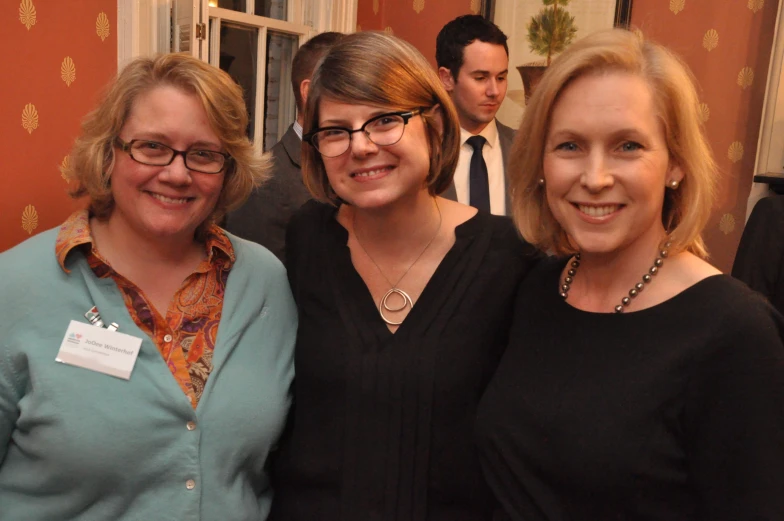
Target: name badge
x,y
99,349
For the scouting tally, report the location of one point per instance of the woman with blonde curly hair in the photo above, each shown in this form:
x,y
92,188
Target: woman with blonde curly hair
x,y
174,338
639,382
404,300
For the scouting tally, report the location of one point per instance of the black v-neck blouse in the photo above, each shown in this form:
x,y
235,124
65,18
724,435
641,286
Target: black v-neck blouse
x,y
382,423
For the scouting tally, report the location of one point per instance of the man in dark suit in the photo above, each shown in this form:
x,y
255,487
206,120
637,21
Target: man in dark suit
x,y
264,216
473,63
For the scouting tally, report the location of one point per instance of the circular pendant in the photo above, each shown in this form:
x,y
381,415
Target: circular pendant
x,y
384,305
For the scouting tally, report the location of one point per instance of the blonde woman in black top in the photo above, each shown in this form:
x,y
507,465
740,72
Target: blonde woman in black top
x,y
639,382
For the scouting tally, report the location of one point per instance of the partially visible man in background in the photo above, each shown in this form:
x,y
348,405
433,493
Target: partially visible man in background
x,y
265,215
473,63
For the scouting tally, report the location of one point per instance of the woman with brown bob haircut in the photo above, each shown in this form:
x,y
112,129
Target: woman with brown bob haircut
x,y
404,299
175,339
639,382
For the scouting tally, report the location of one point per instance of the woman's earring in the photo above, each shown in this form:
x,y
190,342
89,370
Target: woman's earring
x,y
673,184
541,181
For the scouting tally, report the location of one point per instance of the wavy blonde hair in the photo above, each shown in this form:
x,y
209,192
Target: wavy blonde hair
x,y
686,210
93,153
377,69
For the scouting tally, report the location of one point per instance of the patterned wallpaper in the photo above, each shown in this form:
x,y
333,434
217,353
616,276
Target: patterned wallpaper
x,y
416,21
727,44
58,56
65,52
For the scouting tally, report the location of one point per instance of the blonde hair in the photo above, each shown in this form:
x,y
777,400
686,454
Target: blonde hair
x,y
92,157
686,210
380,70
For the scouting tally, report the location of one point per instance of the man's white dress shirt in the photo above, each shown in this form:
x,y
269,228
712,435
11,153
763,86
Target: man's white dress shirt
x,y
495,168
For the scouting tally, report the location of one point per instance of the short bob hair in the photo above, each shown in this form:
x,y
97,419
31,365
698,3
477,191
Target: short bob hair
x,y
377,69
687,209
92,157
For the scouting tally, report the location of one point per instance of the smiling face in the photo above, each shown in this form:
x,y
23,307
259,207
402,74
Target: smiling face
x,y
606,163
480,84
369,175
164,202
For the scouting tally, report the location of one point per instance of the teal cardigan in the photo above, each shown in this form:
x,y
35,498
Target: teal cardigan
x,y
80,445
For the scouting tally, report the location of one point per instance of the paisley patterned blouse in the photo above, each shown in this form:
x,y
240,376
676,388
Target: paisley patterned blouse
x,y
185,336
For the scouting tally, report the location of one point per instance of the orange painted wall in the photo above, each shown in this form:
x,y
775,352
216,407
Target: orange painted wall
x,y
416,21
727,44
33,149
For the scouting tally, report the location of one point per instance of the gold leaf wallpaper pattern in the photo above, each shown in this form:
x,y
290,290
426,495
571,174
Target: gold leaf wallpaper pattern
x,y
711,39
676,6
27,13
419,5
64,166
756,5
29,118
102,26
29,219
745,77
375,6
727,223
389,30
735,152
704,112
359,28
475,6
68,71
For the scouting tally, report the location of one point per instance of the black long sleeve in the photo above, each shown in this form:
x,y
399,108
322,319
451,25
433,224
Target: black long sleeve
x,y
674,413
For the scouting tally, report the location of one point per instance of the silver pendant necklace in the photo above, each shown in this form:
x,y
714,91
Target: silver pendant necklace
x,y
384,303
625,301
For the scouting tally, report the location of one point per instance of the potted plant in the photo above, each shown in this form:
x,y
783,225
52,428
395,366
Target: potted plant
x,y
549,32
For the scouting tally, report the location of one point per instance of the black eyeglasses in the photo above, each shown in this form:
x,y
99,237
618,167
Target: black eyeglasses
x,y
153,153
383,130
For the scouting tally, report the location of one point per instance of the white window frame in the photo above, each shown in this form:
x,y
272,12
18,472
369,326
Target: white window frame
x,y
263,24
143,25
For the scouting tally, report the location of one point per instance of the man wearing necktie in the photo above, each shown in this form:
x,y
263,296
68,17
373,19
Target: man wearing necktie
x,y
473,62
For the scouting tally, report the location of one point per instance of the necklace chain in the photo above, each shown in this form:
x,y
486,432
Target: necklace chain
x,y
394,290
625,301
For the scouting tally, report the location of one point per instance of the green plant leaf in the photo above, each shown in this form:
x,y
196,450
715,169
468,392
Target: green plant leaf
x,y
551,30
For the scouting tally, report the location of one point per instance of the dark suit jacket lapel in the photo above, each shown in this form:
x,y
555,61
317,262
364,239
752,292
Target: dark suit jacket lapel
x,y
293,146
505,137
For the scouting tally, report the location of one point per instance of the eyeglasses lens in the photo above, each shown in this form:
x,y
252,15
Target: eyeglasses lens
x,y
156,154
383,131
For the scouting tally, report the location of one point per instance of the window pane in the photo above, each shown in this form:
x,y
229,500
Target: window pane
x,y
234,5
279,105
238,57
276,9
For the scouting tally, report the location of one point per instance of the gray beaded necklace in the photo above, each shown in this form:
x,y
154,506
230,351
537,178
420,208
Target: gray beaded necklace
x,y
625,301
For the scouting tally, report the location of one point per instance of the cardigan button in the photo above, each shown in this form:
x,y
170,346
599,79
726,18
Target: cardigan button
x,y
190,484
191,426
